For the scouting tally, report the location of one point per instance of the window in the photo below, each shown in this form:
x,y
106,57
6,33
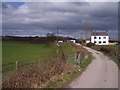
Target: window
x,y
104,37
95,37
104,41
95,42
99,37
99,42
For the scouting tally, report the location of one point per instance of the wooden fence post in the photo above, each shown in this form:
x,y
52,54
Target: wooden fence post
x,y
16,65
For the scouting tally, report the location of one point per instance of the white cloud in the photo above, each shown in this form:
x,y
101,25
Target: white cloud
x,y
69,16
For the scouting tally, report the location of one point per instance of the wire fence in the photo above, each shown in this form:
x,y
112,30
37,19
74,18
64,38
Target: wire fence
x,y
18,64
15,66
11,66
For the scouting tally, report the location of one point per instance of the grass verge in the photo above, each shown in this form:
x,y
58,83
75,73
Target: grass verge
x,y
54,73
66,77
113,58
111,51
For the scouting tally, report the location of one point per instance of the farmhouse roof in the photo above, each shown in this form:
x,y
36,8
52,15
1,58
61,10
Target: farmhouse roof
x,y
99,34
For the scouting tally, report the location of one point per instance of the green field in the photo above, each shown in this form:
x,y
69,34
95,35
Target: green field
x,y
27,53
24,52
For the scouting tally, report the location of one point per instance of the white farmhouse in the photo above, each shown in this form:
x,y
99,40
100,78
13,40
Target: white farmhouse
x,y
100,38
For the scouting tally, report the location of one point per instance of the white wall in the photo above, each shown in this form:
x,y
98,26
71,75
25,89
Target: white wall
x,y
87,41
97,40
73,41
60,41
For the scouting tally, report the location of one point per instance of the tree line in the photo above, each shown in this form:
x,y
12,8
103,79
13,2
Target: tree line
x,y
36,39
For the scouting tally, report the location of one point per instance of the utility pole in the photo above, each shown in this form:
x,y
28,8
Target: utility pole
x,y
57,32
58,44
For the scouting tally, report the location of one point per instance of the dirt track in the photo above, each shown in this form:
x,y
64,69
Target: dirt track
x,y
101,73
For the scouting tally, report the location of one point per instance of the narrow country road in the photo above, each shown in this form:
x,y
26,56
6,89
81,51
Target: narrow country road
x,y
101,73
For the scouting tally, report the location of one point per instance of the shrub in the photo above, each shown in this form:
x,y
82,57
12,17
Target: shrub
x,y
90,44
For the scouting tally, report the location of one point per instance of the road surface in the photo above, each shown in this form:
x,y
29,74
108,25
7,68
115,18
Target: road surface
x,y
101,73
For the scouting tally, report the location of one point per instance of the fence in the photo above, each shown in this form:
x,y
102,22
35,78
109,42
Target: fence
x,y
17,64
14,66
34,73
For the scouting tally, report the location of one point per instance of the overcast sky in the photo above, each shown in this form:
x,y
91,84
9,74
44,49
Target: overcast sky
x,y
39,18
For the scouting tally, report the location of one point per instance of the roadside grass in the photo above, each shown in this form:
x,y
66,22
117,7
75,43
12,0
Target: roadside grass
x,y
113,58
87,61
25,52
66,77
63,79
111,54
114,47
98,47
